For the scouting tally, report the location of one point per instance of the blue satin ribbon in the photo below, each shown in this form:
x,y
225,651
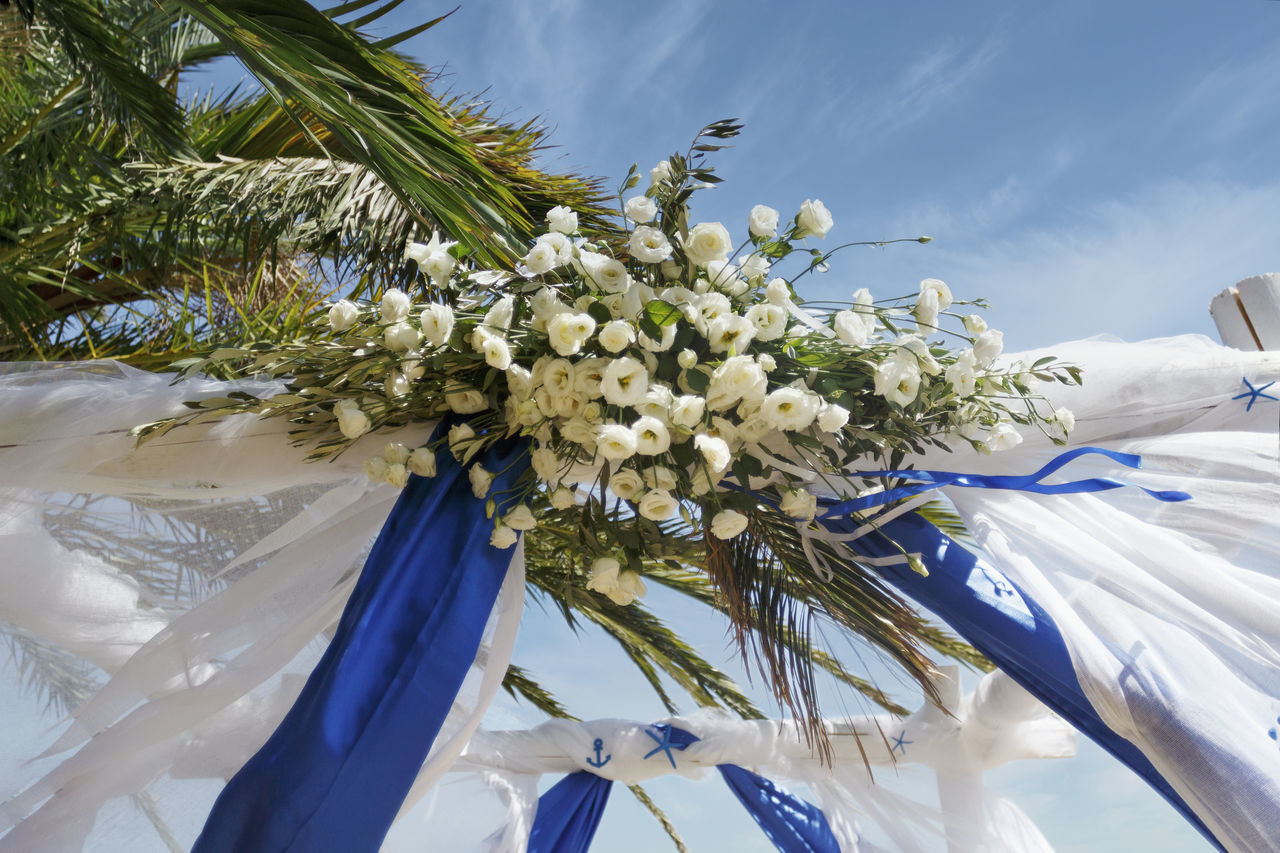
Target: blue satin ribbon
x,y
1003,622
569,814
930,480
334,773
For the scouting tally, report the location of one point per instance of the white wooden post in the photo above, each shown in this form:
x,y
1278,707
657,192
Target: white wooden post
x,y
1248,314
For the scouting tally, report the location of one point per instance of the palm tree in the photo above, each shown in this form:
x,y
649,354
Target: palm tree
x,y
138,226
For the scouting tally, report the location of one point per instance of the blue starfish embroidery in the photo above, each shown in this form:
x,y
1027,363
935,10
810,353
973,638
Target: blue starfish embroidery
x,y
899,742
1254,394
664,743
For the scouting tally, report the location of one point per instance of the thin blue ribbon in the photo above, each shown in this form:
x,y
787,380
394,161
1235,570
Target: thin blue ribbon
x,y
930,480
334,773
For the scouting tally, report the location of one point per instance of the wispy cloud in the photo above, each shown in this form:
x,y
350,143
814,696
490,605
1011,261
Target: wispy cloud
x,y
1234,96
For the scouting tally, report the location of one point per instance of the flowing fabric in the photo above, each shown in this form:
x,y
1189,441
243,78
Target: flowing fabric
x,y
569,814
333,775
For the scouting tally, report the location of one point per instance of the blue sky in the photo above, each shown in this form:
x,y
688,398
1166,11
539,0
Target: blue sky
x,y
1089,167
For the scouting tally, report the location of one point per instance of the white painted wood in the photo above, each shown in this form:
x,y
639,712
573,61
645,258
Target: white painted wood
x,y
1232,328
1260,298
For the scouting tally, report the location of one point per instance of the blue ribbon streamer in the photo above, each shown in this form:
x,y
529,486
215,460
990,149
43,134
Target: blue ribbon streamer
x,y
1004,623
569,814
334,773
930,480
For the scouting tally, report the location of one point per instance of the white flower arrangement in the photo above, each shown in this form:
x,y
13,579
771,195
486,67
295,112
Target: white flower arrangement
x,y
653,363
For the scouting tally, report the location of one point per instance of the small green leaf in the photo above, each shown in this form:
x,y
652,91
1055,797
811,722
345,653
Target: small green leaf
x,y
662,313
599,312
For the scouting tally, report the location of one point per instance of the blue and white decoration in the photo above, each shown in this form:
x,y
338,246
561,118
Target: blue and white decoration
x,y
1148,624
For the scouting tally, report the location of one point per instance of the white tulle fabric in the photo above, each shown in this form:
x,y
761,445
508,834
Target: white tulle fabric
x,y
197,572
1170,611
996,724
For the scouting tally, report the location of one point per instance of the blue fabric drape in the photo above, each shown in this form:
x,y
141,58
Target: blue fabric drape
x,y
1000,620
793,825
333,775
569,814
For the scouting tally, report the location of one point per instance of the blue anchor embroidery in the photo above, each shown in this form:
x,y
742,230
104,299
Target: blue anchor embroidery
x,y
664,743
1273,733
899,743
1255,393
598,762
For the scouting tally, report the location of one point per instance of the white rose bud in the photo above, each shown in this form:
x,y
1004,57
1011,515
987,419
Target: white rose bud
x,y
503,537
422,462
778,292
481,480
728,523
397,475
832,418
395,453
854,328
813,219
497,352
658,505
898,380
770,320
687,358
799,504
395,305
468,401
562,498
1003,436
974,324
542,258
641,209
401,337
767,362
353,422
933,285
661,173
617,336
568,332
687,411
714,450
375,468
343,315
460,434
562,219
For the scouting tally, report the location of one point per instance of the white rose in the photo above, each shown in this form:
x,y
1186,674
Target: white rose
x,y
725,277
568,332
542,258
671,270
1062,422
652,436
778,292
715,450
738,378
916,345
604,575
546,465
615,442
762,222
754,428
832,418
437,324
660,477
481,480
519,382
661,173
396,453
926,311
497,352
790,408
401,337
412,369
853,328
961,374
728,523
767,362
625,382
397,475
813,219
649,245
343,315
898,379
974,324
557,374
988,345
353,422
520,518
609,275
656,402
687,358
562,498
439,267
730,332
799,504
422,462
503,537
668,338
933,285
499,314
466,401
658,505
617,336
626,484
396,385
375,468
562,219
459,434
641,209
687,410
394,306
754,267
579,431
707,241
770,320
1003,436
